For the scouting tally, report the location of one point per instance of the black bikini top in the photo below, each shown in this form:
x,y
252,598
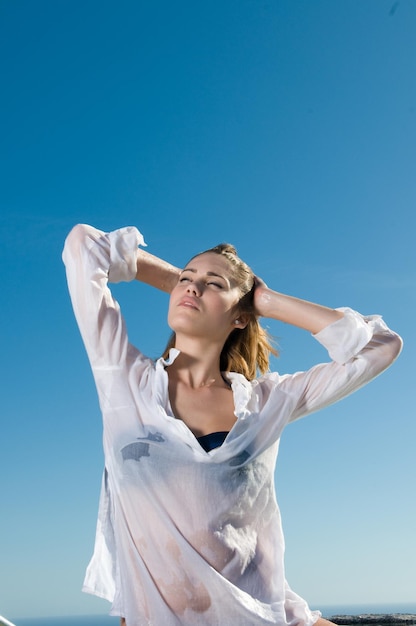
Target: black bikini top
x,y
212,440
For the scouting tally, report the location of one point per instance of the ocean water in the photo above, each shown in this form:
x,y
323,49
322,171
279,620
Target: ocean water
x,y
363,609
327,611
74,620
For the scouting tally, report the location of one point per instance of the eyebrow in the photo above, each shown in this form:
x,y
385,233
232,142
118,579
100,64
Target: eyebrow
x,y
191,269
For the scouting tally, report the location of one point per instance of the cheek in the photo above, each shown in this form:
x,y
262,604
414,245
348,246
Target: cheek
x,y
171,304
227,309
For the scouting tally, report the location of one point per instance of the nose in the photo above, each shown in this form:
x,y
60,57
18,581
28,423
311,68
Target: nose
x,y
194,288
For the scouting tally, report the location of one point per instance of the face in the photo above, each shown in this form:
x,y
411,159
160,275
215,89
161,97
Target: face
x,y
204,303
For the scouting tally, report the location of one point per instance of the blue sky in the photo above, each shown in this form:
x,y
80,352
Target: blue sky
x,y
286,127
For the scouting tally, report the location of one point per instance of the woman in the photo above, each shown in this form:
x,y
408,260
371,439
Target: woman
x,y
189,530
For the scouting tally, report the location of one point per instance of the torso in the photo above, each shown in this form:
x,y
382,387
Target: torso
x,y
204,410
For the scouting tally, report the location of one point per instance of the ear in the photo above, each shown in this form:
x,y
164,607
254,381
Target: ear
x,y
240,321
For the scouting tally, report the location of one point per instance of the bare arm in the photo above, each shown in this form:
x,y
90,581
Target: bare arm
x,y
156,272
307,315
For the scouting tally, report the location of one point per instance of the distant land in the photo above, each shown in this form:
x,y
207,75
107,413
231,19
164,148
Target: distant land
x,y
374,618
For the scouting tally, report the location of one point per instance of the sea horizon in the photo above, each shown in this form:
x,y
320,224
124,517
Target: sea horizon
x,y
107,620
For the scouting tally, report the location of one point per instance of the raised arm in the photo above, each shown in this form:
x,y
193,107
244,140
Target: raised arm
x,y
94,258
360,347
307,315
156,272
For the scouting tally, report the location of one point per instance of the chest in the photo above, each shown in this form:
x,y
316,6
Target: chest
x,y
205,410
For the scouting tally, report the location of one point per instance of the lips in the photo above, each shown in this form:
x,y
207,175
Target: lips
x,y
189,303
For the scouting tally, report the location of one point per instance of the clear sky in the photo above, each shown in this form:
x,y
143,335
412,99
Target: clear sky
x,y
284,126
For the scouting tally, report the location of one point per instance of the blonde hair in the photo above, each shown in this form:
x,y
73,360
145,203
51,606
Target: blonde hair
x,y
246,350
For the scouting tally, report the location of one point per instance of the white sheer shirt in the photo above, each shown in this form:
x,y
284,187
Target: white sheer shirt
x,y
187,537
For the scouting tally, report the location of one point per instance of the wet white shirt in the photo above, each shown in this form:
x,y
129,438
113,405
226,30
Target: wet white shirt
x,y
187,537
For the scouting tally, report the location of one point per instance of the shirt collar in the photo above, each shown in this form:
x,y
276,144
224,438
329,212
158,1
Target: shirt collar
x,y
241,387
172,356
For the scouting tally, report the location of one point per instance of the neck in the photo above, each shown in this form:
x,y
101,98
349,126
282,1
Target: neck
x,y
197,365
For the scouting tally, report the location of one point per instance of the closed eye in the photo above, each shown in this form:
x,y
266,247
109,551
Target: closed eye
x,y
216,284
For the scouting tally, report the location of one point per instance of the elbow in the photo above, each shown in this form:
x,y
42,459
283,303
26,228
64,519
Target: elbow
x,y
77,240
389,347
77,235
396,346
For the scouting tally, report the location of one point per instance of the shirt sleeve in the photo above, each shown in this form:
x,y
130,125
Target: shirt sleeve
x,y
92,259
361,348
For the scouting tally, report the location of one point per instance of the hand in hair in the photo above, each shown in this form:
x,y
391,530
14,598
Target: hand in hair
x,y
307,315
261,298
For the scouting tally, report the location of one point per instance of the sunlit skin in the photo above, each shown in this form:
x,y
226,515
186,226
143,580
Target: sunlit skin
x,y
203,310
204,303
